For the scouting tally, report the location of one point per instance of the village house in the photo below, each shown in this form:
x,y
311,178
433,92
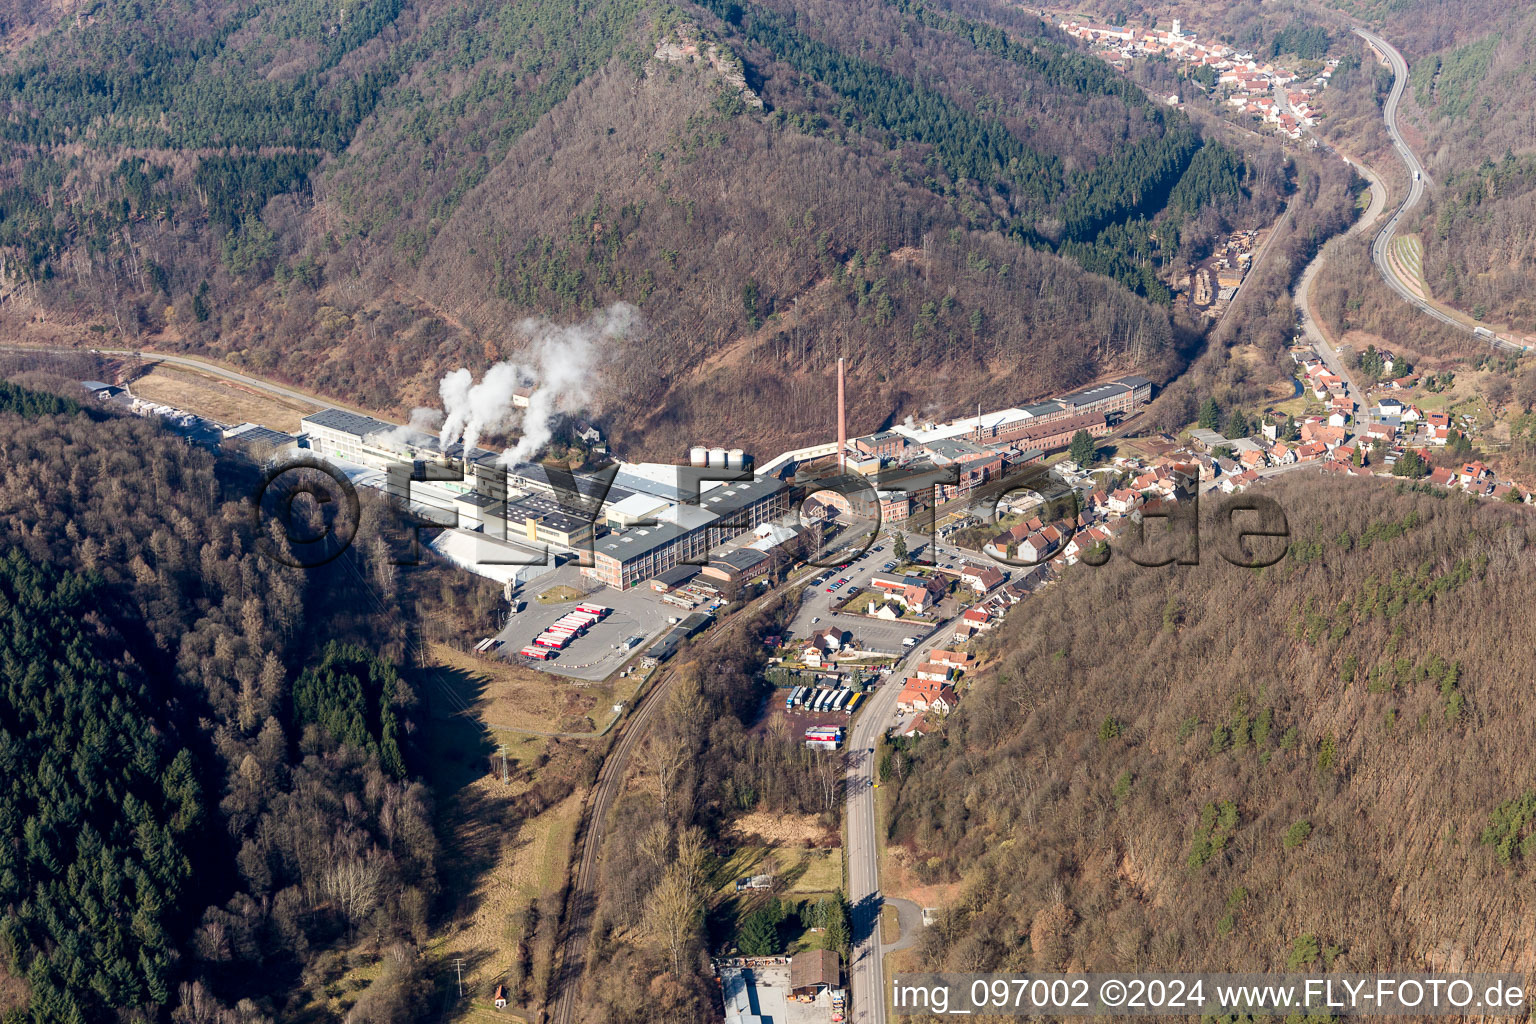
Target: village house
x,y
914,593
979,618
832,639
1123,501
1085,541
814,971
980,578
1329,437
918,597
933,672
1041,544
954,659
1384,432
927,695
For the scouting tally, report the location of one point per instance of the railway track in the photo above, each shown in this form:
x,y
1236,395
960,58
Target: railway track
x,y
581,901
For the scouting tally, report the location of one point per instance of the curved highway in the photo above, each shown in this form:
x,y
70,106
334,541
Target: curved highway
x,y
1417,177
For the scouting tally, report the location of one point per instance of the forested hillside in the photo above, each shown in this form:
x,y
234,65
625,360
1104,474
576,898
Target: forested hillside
x,y
707,761
210,793
1321,764
360,198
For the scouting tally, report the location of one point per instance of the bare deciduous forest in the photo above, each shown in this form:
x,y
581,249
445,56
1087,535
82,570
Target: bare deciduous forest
x,y
1318,764
956,199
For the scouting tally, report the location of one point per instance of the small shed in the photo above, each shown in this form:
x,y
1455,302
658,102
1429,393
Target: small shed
x,y
813,971
501,997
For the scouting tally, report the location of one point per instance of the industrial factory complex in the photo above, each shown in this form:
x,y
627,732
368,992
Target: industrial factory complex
x,y
639,522
654,549
629,524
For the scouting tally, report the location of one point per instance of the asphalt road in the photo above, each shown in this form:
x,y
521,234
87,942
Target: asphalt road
x,y
202,366
1418,179
1320,342
866,966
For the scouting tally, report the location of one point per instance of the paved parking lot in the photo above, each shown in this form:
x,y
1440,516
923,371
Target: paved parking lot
x,y
874,635
637,612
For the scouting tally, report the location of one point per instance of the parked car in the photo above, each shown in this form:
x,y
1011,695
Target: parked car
x,y
815,619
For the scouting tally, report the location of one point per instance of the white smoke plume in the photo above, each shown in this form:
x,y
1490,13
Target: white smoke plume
x,y
560,368
422,421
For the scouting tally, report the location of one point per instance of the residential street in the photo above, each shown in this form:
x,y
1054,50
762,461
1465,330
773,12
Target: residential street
x,y
866,968
1326,351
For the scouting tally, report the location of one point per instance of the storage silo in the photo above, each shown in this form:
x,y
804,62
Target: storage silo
x,y
698,456
717,458
735,458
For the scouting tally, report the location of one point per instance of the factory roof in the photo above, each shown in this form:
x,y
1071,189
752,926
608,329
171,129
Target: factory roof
x,y
770,536
588,485
532,506
564,522
257,438
953,449
1096,393
256,432
347,422
625,545
741,559
256,443
477,455
675,483
677,575
877,437
479,500
726,500
986,422
1044,408
638,506
688,516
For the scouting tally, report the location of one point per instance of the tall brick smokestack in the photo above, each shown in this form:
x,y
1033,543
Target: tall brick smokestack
x,y
842,421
